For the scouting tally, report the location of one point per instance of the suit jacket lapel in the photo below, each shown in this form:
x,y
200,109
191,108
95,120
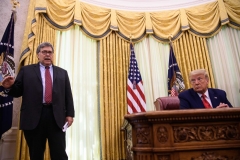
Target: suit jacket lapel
x,y
213,98
37,71
54,73
197,99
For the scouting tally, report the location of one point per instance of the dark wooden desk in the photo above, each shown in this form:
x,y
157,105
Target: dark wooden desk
x,y
200,134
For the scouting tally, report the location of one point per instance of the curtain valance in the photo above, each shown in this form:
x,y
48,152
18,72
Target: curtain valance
x,y
98,22
203,20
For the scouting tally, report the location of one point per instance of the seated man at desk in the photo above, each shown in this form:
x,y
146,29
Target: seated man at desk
x,y
200,96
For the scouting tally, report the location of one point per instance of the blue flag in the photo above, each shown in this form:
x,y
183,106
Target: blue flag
x,y
7,68
175,79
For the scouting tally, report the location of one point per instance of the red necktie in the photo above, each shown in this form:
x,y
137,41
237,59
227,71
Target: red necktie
x,y
205,102
48,86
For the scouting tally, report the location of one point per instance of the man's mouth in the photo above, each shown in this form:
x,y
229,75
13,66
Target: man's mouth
x,y
197,87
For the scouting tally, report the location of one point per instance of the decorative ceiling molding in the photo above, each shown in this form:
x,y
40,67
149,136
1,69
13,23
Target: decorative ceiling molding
x,y
146,5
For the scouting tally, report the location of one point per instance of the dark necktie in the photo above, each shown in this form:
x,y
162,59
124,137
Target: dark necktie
x,y
48,86
205,102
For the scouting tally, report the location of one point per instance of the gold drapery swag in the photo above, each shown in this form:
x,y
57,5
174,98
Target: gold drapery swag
x,y
98,22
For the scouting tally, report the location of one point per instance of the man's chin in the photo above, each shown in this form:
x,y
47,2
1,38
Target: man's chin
x,y
198,90
48,62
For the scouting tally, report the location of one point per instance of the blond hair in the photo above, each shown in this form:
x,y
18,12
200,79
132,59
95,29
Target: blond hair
x,y
199,71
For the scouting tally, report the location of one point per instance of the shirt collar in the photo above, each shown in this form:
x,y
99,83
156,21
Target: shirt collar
x,y
206,94
44,66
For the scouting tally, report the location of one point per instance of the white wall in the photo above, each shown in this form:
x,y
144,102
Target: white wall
x,y
8,143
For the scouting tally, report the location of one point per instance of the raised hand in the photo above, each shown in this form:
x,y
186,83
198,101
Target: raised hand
x,y
8,82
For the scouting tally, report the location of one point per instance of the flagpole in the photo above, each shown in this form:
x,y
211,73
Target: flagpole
x,y
131,46
170,39
130,37
170,42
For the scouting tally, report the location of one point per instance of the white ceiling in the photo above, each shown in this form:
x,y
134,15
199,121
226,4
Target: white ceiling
x,y
146,5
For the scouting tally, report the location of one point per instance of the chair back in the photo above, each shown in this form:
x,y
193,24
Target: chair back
x,y
167,103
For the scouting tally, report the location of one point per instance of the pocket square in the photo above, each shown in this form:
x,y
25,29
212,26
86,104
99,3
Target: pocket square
x,y
215,97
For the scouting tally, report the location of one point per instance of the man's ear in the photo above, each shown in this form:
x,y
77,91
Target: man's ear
x,y
207,80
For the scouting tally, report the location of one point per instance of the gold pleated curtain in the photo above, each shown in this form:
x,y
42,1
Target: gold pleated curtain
x,y
191,53
112,28
43,33
114,62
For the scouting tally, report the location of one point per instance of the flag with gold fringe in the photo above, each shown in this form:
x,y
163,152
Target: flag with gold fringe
x,y
7,68
175,79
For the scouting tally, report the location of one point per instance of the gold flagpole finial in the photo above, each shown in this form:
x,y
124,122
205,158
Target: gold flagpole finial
x,y
130,37
15,4
170,37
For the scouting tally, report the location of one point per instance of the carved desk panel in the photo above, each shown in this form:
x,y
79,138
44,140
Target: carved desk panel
x,y
194,134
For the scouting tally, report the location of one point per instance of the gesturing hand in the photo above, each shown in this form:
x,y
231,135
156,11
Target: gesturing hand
x,y
8,82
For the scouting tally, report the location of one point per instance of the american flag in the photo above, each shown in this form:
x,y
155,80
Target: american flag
x,y
173,92
135,92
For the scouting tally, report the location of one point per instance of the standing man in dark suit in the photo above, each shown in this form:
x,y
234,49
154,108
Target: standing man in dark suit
x,y
200,96
47,104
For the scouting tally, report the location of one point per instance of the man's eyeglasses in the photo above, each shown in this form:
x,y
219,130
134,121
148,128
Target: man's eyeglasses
x,y
46,52
193,81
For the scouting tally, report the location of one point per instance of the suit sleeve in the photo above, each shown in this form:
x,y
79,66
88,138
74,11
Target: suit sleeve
x,y
184,103
69,98
226,100
17,88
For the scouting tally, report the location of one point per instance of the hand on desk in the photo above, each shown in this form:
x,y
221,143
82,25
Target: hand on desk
x,y
222,105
